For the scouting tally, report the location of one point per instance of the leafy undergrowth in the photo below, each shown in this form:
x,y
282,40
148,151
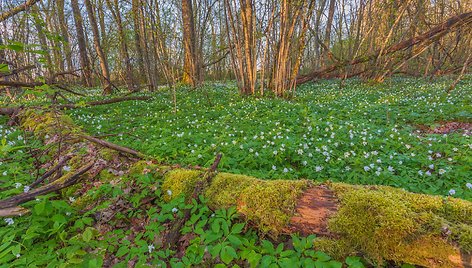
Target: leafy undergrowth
x,y
122,224
360,134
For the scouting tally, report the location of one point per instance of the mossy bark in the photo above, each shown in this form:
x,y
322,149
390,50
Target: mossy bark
x,y
377,222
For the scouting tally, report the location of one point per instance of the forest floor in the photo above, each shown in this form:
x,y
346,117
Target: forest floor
x,y
406,133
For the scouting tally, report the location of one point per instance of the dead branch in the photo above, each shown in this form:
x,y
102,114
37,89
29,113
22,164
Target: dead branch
x,y
452,24
17,71
113,146
67,181
59,165
103,102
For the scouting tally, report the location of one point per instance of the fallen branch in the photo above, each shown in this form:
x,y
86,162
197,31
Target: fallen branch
x,y
114,146
46,175
103,102
17,71
65,181
452,24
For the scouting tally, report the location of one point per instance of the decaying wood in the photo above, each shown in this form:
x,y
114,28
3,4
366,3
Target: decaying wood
x,y
452,24
49,188
13,211
103,102
48,173
113,146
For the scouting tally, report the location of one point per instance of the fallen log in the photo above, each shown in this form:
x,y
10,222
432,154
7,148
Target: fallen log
x,y
103,102
378,222
450,25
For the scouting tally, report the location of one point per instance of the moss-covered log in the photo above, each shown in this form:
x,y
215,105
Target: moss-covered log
x,y
380,223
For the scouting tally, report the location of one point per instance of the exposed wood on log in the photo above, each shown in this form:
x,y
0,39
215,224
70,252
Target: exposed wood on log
x,y
13,211
452,24
313,211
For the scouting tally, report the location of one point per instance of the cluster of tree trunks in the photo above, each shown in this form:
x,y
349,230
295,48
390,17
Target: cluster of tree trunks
x,y
265,46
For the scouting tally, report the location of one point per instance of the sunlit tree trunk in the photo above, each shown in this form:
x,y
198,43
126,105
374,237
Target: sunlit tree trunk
x,y
115,11
105,74
64,33
192,67
84,60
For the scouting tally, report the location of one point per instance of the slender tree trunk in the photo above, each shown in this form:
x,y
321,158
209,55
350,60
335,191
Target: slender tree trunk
x,y
135,8
191,65
115,11
84,60
39,25
64,33
105,74
329,25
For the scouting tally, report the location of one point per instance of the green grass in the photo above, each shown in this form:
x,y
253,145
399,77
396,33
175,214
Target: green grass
x,y
360,134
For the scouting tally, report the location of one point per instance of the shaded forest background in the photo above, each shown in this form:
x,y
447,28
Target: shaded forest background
x,y
266,46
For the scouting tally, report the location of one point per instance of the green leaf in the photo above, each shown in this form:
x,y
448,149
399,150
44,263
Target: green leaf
x,y
87,235
234,240
4,68
228,254
122,251
237,228
39,207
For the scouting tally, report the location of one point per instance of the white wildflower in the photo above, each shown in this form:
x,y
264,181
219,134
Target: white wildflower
x,y
9,221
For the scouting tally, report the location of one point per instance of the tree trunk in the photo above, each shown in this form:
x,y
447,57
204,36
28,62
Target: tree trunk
x,y
105,74
39,25
128,70
84,60
65,34
135,7
329,25
191,64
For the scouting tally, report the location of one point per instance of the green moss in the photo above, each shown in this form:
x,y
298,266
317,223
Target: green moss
x,y
43,123
268,204
180,181
385,223
108,154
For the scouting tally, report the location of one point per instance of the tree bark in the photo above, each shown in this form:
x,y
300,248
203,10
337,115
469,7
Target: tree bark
x,y
191,63
12,12
64,33
105,73
84,60
128,69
